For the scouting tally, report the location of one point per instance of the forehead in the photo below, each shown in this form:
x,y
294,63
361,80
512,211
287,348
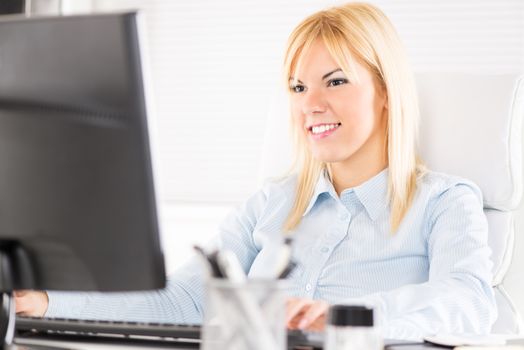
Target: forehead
x,y
316,61
315,57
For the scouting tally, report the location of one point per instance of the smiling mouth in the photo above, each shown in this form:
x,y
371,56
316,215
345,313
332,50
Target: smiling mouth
x,y
324,129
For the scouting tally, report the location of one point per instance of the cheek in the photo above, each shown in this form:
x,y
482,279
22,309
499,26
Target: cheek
x,y
358,121
297,117
356,110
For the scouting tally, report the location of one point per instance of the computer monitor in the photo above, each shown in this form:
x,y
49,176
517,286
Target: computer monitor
x,y
12,6
77,200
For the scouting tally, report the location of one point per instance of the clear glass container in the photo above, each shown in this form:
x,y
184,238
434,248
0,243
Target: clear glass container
x,y
245,316
352,338
351,327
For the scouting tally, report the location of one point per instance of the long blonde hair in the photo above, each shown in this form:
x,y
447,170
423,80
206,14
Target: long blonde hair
x,y
360,31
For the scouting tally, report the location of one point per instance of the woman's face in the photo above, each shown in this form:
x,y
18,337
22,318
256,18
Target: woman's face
x,y
342,120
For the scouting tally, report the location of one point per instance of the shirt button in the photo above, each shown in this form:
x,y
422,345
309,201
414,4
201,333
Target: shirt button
x,y
324,249
308,287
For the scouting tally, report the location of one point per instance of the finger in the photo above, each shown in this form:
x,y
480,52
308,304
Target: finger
x,y
20,304
293,324
316,310
295,308
319,324
20,293
32,303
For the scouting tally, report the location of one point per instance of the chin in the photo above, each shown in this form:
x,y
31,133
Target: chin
x,y
328,157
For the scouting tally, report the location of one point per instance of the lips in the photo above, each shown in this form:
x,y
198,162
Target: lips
x,y
323,125
320,131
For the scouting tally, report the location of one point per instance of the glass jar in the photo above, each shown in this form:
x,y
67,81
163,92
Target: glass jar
x,y
351,327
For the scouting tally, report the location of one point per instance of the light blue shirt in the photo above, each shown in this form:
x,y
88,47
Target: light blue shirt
x,y
432,276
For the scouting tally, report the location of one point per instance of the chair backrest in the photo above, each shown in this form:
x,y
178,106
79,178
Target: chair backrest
x,y
471,126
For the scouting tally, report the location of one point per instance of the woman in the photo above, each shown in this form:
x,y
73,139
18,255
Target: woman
x,y
369,223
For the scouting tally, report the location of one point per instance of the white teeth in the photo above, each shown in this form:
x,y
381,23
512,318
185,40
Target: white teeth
x,y
323,128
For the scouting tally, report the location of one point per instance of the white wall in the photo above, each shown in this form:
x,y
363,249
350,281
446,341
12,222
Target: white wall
x,y
184,225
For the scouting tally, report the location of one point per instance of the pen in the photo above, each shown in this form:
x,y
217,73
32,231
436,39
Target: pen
x,y
287,271
212,261
284,259
230,268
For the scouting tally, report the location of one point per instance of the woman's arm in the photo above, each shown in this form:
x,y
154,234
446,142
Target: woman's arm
x,y
457,298
181,300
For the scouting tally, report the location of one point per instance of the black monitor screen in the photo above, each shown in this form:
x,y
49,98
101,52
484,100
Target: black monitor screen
x,y
11,6
77,202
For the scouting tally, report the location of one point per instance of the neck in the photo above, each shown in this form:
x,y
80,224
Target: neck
x,y
362,166
352,178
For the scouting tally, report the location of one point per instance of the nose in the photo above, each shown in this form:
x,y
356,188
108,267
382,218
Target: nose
x,y
314,102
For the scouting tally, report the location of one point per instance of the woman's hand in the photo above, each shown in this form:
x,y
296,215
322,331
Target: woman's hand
x,y
31,303
306,314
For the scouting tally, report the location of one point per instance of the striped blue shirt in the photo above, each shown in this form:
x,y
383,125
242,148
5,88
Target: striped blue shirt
x,y
432,276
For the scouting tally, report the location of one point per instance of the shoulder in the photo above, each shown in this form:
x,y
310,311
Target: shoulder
x,y
437,186
282,187
273,194
451,194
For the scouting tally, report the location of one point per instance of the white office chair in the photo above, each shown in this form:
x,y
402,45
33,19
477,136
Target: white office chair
x,y
471,126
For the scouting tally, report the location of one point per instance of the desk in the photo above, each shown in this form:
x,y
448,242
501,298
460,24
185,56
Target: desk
x,y
118,344
73,343
60,343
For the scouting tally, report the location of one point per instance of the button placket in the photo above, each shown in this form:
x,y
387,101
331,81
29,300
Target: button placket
x,y
325,246
320,256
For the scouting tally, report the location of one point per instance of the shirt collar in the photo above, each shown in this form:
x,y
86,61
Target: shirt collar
x,y
323,185
372,193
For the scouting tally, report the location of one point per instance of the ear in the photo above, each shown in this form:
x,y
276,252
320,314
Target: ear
x,y
380,87
384,93
384,96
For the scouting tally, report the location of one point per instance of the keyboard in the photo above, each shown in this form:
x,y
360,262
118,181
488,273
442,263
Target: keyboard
x,y
155,332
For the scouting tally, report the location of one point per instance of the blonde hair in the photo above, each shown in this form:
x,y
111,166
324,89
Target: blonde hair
x,y
360,31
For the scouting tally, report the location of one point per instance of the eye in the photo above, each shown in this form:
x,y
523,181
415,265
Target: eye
x,y
338,81
297,88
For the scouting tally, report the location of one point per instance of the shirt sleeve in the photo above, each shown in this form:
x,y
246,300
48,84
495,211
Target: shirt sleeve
x,y
457,298
182,299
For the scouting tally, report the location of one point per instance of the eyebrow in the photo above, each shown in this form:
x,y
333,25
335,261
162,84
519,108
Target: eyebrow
x,y
323,77
328,74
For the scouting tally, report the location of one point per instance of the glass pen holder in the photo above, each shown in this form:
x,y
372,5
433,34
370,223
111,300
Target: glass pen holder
x,y
243,316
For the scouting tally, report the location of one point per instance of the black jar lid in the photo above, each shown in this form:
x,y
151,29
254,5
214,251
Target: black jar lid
x,y
350,315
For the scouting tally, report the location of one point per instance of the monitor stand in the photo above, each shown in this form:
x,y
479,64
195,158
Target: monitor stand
x,y
16,272
7,317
